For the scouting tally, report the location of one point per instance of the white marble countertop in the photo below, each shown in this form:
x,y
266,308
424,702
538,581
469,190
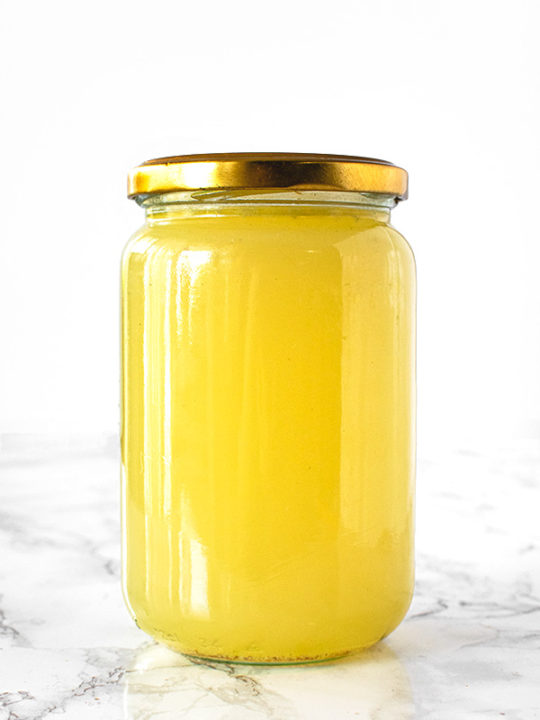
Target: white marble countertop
x,y
469,648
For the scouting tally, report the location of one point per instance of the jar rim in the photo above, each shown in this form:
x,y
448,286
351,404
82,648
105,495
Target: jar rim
x,y
271,170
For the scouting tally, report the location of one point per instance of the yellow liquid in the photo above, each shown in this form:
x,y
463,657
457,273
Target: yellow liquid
x,y
268,430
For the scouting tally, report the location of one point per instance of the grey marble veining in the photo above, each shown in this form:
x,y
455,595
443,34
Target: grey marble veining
x,y
469,648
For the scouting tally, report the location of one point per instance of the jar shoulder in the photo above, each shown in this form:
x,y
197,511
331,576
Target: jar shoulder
x,y
402,242
292,237
138,242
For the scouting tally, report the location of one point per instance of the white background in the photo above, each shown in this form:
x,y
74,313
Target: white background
x,y
448,90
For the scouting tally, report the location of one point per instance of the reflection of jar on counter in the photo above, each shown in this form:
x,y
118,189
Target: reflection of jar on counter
x,y
268,405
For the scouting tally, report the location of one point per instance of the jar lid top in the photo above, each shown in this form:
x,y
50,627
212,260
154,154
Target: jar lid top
x,y
295,171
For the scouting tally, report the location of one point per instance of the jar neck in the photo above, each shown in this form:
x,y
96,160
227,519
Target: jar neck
x,y
168,206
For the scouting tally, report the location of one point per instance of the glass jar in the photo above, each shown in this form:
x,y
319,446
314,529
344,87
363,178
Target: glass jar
x,y
268,406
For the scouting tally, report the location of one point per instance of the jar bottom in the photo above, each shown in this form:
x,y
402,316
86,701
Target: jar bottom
x,y
272,661
250,654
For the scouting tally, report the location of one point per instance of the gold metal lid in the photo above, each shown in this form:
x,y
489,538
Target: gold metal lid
x,y
295,171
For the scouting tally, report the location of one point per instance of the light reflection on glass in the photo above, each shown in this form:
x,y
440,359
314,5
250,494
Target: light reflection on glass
x,y
193,587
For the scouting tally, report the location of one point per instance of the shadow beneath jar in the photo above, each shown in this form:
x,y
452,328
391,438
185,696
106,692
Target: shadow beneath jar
x,y
162,683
